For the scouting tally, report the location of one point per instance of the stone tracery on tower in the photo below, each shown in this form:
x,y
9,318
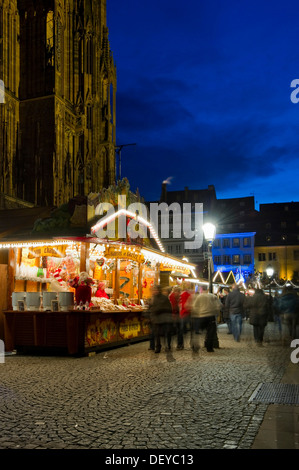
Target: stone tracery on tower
x,y
57,125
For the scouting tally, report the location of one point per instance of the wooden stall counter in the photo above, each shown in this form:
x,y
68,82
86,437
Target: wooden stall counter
x,y
74,332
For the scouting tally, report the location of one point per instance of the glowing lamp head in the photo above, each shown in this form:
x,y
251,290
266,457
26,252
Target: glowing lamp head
x,y
209,231
270,271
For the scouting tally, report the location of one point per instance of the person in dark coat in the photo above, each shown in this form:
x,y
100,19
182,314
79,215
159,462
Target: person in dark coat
x,y
224,310
174,298
288,305
161,317
235,305
258,311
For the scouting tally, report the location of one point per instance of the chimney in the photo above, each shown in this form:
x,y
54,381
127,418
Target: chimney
x,y
163,197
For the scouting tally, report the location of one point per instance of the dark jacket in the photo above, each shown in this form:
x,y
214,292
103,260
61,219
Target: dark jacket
x,y
160,309
258,308
235,302
224,308
288,303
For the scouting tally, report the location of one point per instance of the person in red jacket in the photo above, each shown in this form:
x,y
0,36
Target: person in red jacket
x,y
101,291
82,287
185,304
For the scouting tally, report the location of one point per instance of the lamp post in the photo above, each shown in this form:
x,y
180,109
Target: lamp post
x,y
209,231
270,272
118,150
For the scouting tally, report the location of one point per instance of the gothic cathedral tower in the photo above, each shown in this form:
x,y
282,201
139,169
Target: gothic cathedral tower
x,y
58,120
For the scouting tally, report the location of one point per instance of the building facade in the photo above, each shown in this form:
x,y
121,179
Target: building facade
x,y
277,240
57,121
234,252
235,220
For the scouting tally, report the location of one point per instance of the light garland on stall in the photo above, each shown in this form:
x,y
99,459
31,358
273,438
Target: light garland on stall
x,y
34,244
166,261
104,221
283,285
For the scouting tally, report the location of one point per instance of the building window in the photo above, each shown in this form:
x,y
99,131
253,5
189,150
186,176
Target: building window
x,y
271,256
246,242
177,248
226,243
262,256
216,243
236,242
247,259
296,255
226,259
217,259
236,259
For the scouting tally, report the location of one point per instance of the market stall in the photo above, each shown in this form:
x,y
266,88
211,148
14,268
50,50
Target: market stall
x,y
44,312
78,279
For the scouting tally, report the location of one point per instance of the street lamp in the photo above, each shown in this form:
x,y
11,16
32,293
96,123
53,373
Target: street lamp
x,y
209,231
270,272
118,150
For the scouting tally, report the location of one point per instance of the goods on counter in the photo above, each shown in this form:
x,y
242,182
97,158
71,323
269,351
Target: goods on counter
x,y
107,305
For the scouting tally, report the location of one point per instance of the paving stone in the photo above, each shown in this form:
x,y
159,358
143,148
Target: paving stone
x,y
136,400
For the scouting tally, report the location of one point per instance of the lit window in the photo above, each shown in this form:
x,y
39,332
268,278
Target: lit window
x,y
236,259
236,242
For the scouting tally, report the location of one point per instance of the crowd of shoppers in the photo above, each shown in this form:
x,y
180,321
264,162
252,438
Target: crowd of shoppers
x,y
175,311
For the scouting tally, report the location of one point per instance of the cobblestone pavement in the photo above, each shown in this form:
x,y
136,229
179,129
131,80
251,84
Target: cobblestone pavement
x,y
132,398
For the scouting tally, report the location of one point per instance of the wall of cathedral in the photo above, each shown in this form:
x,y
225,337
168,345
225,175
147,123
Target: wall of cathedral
x,y
66,101
9,102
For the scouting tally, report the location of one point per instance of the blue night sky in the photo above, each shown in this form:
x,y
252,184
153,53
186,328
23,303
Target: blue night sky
x,y
204,90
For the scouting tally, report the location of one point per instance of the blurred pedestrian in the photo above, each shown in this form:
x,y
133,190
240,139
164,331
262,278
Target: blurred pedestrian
x,y
235,305
174,298
288,307
205,309
168,326
258,311
276,313
185,305
147,315
160,314
224,309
